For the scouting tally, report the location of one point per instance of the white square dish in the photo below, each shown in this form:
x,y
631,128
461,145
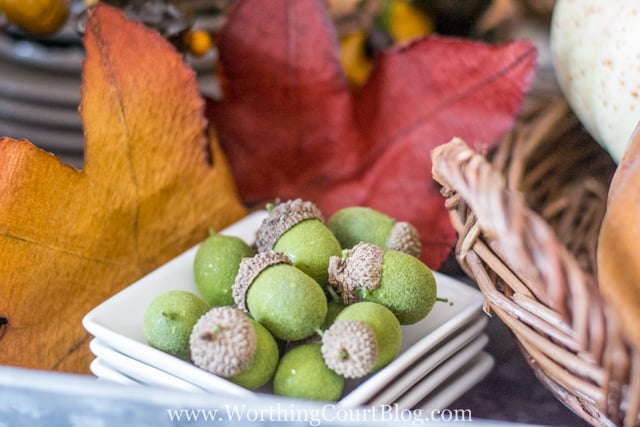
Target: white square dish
x,y
117,322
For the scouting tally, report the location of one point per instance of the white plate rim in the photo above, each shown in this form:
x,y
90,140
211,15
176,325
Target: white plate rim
x,y
102,370
430,362
137,370
456,362
466,377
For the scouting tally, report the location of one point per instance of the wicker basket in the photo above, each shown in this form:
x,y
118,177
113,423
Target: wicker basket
x,y
528,216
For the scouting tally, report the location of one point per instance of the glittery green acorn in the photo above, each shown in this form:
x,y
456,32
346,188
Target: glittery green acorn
x,y
297,229
227,342
355,224
168,321
215,267
397,280
302,373
364,337
283,298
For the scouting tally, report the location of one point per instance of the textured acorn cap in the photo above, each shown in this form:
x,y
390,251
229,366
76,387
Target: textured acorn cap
x,y
359,267
404,237
350,348
249,269
223,341
282,218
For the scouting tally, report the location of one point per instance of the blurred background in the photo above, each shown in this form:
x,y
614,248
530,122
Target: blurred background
x,y
41,48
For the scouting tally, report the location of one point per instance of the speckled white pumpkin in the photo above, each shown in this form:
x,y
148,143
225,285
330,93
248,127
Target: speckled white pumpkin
x,y
595,46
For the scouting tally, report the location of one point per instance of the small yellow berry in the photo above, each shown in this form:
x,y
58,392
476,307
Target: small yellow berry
x,y
406,21
355,63
198,42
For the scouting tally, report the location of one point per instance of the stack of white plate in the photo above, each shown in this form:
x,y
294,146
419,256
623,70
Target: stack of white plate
x,y
40,90
441,356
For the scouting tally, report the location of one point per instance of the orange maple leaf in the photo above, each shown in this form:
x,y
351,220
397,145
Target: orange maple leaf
x,y
154,182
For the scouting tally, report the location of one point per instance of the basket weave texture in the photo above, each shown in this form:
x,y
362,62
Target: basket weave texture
x,y
528,216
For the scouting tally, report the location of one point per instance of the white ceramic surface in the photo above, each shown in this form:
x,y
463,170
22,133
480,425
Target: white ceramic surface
x,y
117,322
464,379
413,396
434,358
104,371
137,370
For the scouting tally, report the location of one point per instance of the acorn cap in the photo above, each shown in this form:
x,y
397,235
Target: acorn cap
x,y
281,218
350,348
404,237
223,341
249,269
360,267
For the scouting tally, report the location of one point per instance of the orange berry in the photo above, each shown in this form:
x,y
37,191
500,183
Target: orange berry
x,y
36,16
198,42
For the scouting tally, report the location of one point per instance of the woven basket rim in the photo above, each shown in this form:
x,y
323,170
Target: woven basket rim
x,y
537,276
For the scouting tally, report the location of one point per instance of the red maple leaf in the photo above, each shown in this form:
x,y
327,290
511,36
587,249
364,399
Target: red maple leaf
x,y
292,127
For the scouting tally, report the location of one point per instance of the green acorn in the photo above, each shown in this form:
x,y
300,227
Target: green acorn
x,y
169,318
355,224
296,228
302,373
364,337
395,279
215,267
228,343
283,298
